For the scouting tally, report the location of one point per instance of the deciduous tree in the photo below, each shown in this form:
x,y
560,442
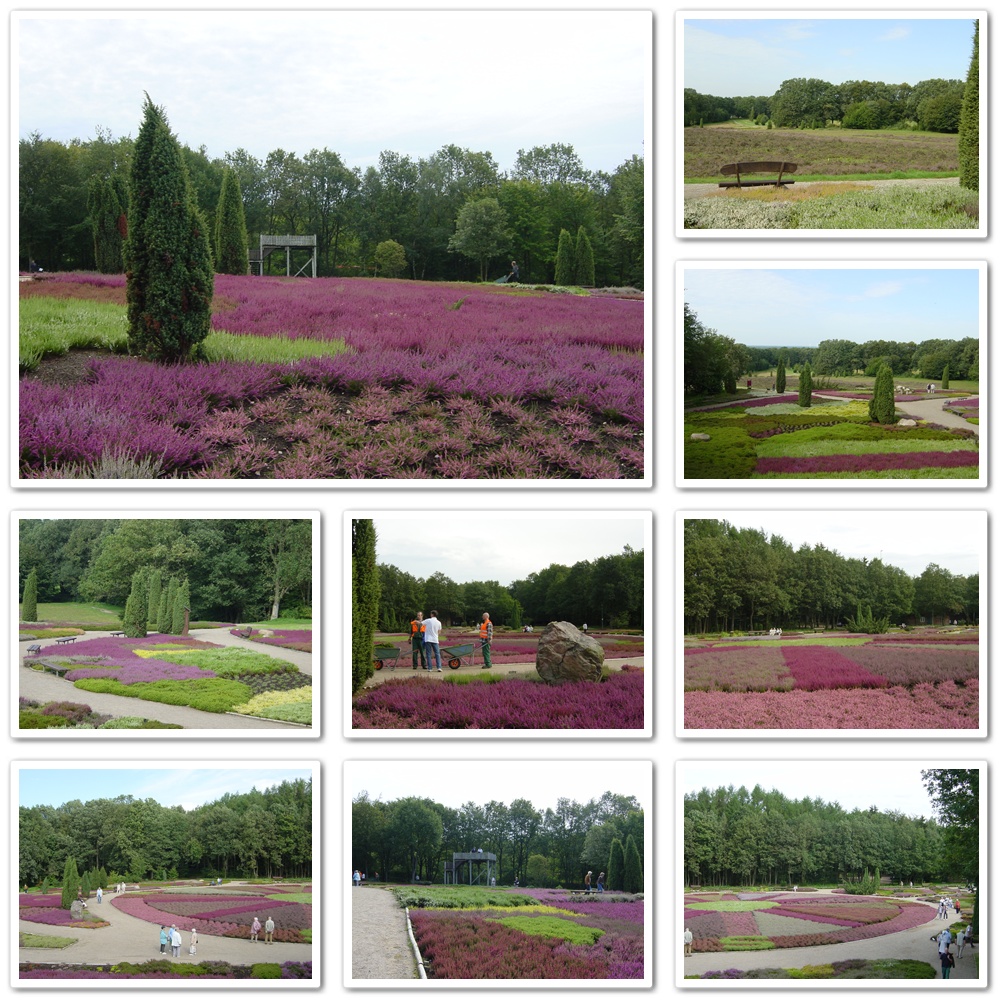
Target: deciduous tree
x,y
482,232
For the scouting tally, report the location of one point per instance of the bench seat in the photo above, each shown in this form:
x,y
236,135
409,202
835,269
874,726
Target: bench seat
x,y
778,167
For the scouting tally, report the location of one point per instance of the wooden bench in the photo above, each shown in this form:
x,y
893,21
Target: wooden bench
x,y
65,641
778,167
118,634
245,632
34,649
54,667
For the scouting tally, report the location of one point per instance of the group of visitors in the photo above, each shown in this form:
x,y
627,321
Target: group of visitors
x,y
425,641
946,904
269,928
600,879
358,877
172,936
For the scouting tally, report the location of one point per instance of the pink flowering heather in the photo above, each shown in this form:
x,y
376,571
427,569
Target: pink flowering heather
x,y
418,702
821,667
57,917
736,668
945,706
297,640
37,899
852,463
906,664
971,639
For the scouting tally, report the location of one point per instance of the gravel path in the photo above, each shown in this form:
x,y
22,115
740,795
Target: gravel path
x,y
912,944
404,669
381,949
130,939
931,411
41,686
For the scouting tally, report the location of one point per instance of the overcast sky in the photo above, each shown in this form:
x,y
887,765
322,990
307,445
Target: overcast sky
x,y
804,306
541,782
910,540
187,786
356,82
501,546
897,786
737,57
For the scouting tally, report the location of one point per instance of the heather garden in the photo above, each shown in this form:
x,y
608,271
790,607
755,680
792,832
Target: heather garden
x,y
527,677
832,642
81,917
515,907
107,609
770,870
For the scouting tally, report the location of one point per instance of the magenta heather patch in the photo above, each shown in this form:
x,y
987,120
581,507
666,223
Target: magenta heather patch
x,y
906,665
821,667
851,463
736,668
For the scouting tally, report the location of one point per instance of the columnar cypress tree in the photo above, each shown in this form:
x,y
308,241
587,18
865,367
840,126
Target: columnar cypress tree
x,y
882,407
782,376
153,597
945,376
969,121
805,387
165,616
181,603
585,263
169,267
29,599
134,618
633,878
615,866
365,599
231,228
106,208
71,879
564,262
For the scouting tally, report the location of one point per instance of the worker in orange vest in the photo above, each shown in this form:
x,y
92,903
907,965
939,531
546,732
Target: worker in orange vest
x,y
417,641
487,628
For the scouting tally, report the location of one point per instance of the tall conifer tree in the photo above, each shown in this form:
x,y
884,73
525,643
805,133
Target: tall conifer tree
x,y
231,229
585,263
29,599
365,599
882,407
564,262
969,121
106,208
169,268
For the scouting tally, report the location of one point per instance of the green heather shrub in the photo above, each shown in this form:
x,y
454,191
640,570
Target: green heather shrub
x,y
213,695
817,972
552,927
230,661
266,971
746,943
730,453
36,720
135,722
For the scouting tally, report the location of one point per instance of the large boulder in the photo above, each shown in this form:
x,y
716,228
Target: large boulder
x,y
565,653
77,910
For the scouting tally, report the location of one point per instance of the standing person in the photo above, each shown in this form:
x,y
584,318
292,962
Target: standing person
x,y
356,877
486,631
513,273
945,940
99,895
269,928
688,940
958,905
968,939
176,942
588,881
960,940
947,963
192,942
417,642
163,939
255,928
432,626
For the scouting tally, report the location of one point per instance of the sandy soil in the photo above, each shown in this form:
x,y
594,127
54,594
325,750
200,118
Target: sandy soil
x,y
381,949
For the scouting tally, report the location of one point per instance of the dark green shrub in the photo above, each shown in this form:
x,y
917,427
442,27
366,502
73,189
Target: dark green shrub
x,y
615,866
71,880
633,880
585,265
945,376
805,387
782,376
29,599
564,261
882,407
134,618
266,971
35,720
365,600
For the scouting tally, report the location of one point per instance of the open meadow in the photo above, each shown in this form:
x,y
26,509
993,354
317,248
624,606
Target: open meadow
x,y
337,379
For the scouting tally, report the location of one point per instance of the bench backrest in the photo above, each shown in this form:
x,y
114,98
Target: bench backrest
x,y
752,166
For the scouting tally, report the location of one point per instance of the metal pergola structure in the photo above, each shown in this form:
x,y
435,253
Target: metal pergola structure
x,y
480,867
270,243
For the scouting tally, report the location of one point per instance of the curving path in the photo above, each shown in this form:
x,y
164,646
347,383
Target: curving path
x,y
130,939
41,686
931,410
381,948
914,943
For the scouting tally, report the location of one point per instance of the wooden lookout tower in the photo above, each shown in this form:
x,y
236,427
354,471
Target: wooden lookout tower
x,y
480,868
269,243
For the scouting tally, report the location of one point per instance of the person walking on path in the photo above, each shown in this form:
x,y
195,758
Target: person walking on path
x,y
98,894
255,928
192,942
176,942
432,626
588,881
486,632
163,939
947,963
417,642
600,879
269,928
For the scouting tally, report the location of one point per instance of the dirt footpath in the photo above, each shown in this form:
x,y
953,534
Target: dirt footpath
x,y
381,948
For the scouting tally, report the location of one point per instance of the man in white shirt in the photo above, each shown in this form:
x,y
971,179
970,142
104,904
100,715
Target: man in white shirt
x,y
432,627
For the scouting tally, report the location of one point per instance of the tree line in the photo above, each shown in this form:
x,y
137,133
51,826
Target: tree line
x,y
606,592
736,578
732,836
237,569
258,834
713,363
933,105
74,199
410,838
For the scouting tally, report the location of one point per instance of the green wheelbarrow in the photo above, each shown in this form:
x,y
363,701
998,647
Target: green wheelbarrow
x,y
457,653
384,653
